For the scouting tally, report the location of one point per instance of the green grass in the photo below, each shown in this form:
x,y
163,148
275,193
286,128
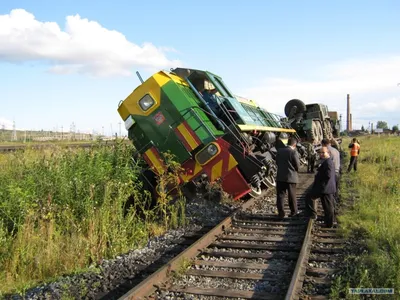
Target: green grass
x,y
374,222
62,210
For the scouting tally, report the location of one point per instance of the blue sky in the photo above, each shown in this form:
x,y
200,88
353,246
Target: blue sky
x,y
77,67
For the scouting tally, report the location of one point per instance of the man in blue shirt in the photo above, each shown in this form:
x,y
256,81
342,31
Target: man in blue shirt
x,y
208,96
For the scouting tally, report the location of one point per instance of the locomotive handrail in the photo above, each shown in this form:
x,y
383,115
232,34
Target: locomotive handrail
x,y
236,126
221,121
202,123
198,119
227,127
211,112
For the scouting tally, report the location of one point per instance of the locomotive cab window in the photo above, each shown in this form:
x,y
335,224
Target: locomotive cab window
x,y
146,102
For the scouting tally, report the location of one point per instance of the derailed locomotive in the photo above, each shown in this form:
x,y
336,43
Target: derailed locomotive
x,y
213,134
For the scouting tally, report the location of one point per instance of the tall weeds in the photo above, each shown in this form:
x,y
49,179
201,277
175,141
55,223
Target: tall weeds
x,y
62,209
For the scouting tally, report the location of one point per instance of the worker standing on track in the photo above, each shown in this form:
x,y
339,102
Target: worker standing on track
x,y
354,152
288,163
310,156
324,187
335,155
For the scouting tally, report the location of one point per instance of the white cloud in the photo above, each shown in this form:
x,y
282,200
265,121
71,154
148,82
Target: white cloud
x,y
372,85
84,47
6,124
387,105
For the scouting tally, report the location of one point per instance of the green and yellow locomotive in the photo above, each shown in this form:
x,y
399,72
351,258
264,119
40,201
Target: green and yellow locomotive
x,y
215,135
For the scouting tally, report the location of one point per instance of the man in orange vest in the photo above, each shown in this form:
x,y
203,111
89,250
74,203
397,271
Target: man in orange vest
x,y
354,152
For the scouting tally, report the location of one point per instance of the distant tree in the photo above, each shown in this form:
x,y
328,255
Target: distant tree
x,y
382,124
362,128
395,128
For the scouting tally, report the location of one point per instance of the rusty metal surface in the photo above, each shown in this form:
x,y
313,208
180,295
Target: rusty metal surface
x,y
256,247
299,271
235,275
275,231
242,265
258,238
288,255
226,293
276,223
148,286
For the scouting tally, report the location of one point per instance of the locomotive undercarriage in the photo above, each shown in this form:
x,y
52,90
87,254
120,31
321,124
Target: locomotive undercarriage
x,y
255,153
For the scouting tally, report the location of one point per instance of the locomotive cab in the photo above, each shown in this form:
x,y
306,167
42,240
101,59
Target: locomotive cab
x,y
227,107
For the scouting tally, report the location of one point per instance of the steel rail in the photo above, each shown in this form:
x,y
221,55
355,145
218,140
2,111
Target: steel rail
x,y
300,269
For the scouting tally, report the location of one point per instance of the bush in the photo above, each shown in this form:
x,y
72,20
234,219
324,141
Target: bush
x,y
63,209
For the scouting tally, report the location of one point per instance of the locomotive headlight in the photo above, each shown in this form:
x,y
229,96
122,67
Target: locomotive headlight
x,y
212,149
146,102
207,153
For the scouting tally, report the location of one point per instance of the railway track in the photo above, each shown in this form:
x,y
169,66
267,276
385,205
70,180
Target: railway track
x,y
252,255
12,148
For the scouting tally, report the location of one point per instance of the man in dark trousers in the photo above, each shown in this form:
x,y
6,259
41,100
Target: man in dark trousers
x,y
324,187
335,155
354,152
310,155
288,163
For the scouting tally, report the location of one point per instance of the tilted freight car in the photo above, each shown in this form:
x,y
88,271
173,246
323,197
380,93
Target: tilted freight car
x,y
311,121
214,135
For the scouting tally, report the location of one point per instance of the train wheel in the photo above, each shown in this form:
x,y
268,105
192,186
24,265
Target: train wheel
x,y
303,161
255,191
270,180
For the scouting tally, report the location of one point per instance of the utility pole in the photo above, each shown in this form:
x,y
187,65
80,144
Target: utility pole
x,y
14,135
119,129
72,130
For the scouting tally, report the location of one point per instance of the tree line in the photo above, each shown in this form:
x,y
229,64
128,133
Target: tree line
x,y
383,125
